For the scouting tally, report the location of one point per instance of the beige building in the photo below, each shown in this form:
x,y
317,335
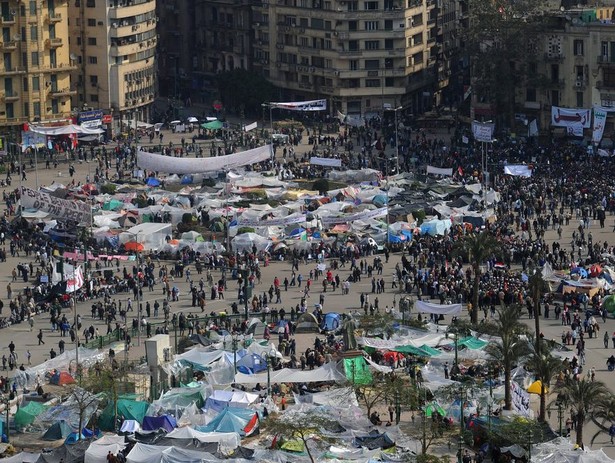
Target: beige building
x,y
113,44
34,74
362,56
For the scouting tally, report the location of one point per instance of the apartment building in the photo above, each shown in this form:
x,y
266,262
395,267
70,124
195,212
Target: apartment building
x,y
113,44
35,69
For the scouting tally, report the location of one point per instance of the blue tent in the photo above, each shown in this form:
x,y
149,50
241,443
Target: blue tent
x,y
331,321
230,419
153,182
154,423
581,271
380,200
186,180
296,232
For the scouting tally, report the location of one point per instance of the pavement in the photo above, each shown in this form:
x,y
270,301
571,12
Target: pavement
x,y
25,338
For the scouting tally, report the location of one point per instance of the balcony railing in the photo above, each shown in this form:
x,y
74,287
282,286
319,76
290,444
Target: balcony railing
x,y
10,95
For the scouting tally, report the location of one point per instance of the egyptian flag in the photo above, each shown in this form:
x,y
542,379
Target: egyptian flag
x,y
252,427
500,265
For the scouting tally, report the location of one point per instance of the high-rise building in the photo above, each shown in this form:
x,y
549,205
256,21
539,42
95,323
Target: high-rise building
x,y
34,74
113,44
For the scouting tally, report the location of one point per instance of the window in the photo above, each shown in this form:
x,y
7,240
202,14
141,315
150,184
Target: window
x,y
579,99
417,58
352,25
578,47
78,40
33,33
417,20
26,110
555,97
91,22
353,6
94,80
604,47
10,111
91,40
530,94
90,3
389,82
93,98
32,7
417,39
579,72
318,23
370,5
370,83
36,84
24,84
388,24
353,45
388,44
371,25
36,106
353,64
372,64
34,56
92,60
372,44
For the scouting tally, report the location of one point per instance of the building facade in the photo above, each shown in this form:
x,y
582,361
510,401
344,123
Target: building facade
x,y
113,44
35,70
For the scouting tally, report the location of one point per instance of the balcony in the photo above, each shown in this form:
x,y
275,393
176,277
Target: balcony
x,y
12,45
606,60
554,57
7,20
53,18
10,95
9,70
57,92
53,43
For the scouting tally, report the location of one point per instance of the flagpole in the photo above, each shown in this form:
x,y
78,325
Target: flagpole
x,y
76,325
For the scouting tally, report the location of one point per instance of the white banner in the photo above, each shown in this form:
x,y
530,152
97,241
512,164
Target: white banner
x,y
438,309
533,128
518,171
599,123
252,126
482,131
312,105
73,276
440,171
74,210
172,165
327,162
353,217
520,399
245,222
569,117
575,130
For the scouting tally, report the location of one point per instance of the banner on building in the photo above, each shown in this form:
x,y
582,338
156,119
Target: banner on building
x,y
599,123
170,164
312,105
518,170
77,211
439,171
327,162
252,126
574,130
381,212
532,130
570,117
483,131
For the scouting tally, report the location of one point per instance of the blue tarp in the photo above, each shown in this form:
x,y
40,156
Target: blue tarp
x,y
331,322
153,182
154,423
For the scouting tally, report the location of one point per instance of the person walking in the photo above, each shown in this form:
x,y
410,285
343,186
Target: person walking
x,y
40,337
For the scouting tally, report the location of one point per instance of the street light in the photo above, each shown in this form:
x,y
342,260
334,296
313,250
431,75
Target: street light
x,y
235,341
244,273
560,413
397,139
271,354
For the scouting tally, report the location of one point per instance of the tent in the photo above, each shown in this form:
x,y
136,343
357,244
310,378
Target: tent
x,y
153,423
27,413
213,125
153,182
99,449
256,328
231,419
331,322
307,323
113,205
535,387
143,453
374,440
222,399
435,227
609,303
60,378
129,409
227,440
130,426
58,430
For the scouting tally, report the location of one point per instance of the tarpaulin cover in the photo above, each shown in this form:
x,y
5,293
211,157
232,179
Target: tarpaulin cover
x,y
99,449
67,453
328,372
169,164
357,370
439,309
143,453
225,439
152,423
222,399
27,413
327,162
472,343
229,420
23,457
130,426
374,440
129,409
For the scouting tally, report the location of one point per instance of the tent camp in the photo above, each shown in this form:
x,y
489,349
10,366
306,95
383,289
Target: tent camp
x,y
222,399
307,323
58,430
27,413
99,449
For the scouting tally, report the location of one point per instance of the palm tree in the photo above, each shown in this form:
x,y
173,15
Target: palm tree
x,y
604,416
537,286
585,398
545,367
512,347
477,248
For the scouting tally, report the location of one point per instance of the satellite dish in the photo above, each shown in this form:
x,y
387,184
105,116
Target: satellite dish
x,y
73,57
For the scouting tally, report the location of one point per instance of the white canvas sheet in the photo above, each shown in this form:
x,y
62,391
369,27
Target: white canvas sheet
x,y
99,449
438,309
225,439
440,171
518,170
65,130
143,453
328,372
161,163
327,162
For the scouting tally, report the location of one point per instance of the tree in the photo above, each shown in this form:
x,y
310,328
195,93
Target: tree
x,y
512,347
477,248
537,286
301,425
586,398
241,88
386,388
86,403
604,416
545,367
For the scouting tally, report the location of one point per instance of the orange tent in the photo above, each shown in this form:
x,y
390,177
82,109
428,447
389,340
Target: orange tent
x,y
133,246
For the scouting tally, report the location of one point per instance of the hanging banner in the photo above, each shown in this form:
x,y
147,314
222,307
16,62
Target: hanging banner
x,y
327,162
312,105
76,211
520,399
438,309
518,171
245,222
172,165
532,130
439,171
575,130
599,123
569,117
353,217
483,131
252,126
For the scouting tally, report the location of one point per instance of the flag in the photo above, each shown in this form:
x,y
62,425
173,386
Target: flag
x,y
252,426
460,170
274,442
75,280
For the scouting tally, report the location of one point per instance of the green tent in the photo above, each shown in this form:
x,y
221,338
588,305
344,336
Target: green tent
x,y
609,303
129,409
213,125
357,371
472,343
27,413
58,430
412,350
434,407
113,205
430,350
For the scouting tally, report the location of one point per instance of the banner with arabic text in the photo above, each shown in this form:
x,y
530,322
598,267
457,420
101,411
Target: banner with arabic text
x,y
570,117
312,105
483,131
599,123
74,210
381,212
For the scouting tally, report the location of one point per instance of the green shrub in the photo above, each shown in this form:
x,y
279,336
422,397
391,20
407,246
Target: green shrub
x,y
245,230
108,189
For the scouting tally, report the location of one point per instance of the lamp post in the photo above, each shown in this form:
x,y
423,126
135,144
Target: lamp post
x,y
235,340
244,273
270,106
7,406
397,140
560,413
271,354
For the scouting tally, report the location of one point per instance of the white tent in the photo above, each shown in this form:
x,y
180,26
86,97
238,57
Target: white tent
x,y
245,241
225,439
150,235
328,372
143,453
220,399
99,449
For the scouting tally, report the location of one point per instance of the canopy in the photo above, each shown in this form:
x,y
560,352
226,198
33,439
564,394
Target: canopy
x,y
230,419
328,372
27,413
213,125
222,399
64,130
